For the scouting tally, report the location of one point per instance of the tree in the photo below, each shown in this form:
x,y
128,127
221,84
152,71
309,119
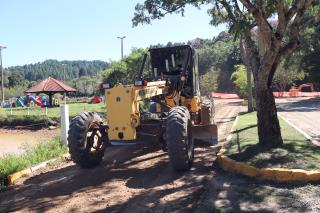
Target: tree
x,y
82,72
239,78
246,61
307,58
208,82
219,57
85,85
116,73
285,76
125,71
15,79
56,69
274,42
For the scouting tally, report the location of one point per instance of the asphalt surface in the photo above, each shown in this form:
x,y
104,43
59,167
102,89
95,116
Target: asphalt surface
x,y
303,113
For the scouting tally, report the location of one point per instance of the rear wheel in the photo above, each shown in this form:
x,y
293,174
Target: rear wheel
x,y
85,140
179,138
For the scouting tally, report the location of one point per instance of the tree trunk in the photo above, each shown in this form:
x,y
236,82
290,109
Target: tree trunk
x,y
268,124
246,60
249,82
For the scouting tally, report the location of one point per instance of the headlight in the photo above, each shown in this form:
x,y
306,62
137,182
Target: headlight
x,y
138,83
106,86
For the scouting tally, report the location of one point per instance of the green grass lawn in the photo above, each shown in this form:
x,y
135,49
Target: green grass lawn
x,y
55,111
11,163
20,116
74,109
296,152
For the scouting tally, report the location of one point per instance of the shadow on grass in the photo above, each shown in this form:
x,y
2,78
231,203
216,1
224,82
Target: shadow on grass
x,y
251,195
244,129
292,154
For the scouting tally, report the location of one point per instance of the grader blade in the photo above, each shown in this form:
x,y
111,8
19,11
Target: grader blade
x,y
205,135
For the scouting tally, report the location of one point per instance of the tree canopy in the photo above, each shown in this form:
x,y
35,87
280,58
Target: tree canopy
x,y
56,69
83,75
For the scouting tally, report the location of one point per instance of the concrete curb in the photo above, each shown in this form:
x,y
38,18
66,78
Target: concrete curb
x,y
272,174
17,175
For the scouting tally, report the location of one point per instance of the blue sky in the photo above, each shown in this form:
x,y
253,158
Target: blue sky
x,y
36,30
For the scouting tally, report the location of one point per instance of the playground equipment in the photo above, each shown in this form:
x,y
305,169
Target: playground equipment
x,y
26,101
95,100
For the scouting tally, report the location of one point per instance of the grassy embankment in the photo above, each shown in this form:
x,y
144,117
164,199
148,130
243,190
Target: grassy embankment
x,y
11,163
296,152
37,115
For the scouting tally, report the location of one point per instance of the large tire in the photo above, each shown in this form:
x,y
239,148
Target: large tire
x,y
179,138
86,146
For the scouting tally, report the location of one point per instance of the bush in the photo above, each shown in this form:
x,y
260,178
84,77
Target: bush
x,y
209,82
239,78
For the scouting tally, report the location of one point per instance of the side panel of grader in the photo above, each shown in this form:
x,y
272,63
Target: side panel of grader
x,y
122,104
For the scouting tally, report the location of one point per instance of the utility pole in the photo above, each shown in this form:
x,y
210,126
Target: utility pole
x,y
64,80
123,37
2,79
64,72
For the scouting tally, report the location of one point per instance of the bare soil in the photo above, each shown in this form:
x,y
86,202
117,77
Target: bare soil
x,y
12,140
140,179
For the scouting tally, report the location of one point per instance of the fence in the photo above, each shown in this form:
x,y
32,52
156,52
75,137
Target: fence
x,y
24,111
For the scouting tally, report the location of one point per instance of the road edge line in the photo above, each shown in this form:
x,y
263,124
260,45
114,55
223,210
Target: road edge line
x,y
307,136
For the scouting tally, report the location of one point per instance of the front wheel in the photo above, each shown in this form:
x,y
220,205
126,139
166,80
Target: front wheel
x,y
85,141
179,138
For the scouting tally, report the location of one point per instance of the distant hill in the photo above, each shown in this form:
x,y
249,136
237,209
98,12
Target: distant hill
x,y
56,69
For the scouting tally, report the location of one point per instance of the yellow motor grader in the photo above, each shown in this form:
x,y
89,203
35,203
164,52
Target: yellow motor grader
x,y
165,106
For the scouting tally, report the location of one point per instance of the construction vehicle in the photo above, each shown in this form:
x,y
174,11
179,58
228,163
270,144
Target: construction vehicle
x,y
166,106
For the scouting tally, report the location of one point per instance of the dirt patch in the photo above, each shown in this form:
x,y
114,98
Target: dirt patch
x,y
12,140
130,179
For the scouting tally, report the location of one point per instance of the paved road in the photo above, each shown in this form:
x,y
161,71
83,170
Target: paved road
x,y
302,112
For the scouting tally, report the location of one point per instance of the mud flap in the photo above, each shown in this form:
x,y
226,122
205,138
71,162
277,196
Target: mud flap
x,y
205,135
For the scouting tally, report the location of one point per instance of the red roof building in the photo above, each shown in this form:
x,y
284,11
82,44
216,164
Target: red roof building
x,y
50,86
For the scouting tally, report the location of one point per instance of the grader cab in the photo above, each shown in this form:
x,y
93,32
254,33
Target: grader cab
x,y
164,106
